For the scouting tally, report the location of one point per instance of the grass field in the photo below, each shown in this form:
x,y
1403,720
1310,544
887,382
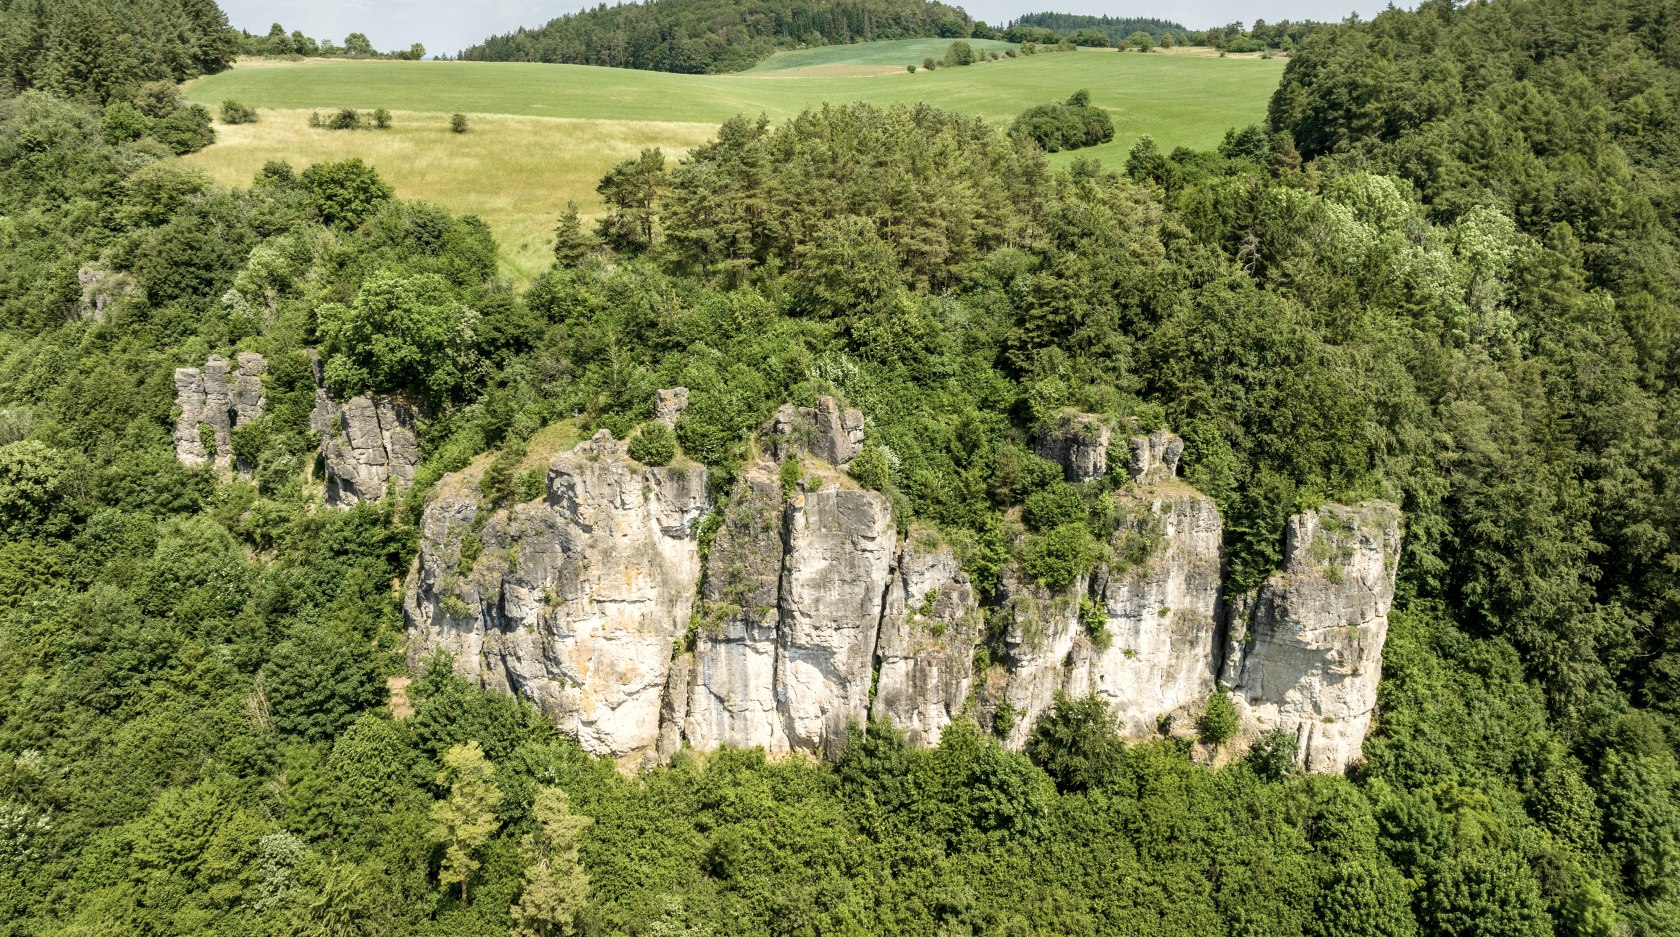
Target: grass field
x,y
542,134
892,55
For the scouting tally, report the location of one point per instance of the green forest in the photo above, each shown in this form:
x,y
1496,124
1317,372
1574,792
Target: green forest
x,y
708,36
1442,272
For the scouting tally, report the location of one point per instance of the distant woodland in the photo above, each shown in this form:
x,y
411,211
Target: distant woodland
x,y
699,36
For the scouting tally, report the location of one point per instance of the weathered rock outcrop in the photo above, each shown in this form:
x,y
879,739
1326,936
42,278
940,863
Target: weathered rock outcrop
x,y
794,593
925,652
1159,601
812,614
214,401
1079,444
825,431
669,404
1305,651
574,601
1141,631
368,443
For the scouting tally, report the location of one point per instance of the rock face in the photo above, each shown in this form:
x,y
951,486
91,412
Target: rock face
x,y
669,405
574,601
1141,631
794,593
824,431
812,614
1079,444
214,401
1306,650
368,443
925,652
1160,603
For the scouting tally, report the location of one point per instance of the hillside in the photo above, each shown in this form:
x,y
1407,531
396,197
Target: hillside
x,y
860,522
711,36
554,129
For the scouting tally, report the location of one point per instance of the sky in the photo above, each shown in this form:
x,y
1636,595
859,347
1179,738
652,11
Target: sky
x,y
447,26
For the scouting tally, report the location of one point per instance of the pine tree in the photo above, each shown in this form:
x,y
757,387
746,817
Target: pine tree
x,y
556,887
466,818
572,243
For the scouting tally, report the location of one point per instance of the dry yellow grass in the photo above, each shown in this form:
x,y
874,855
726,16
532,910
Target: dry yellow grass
x,y
514,172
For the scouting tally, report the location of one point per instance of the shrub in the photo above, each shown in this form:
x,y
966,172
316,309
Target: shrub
x,y
347,118
458,123
1076,743
910,68
1067,126
1056,559
959,53
1274,755
1052,507
382,119
655,445
927,64
315,119
343,193
871,469
1219,722
185,130
235,113
1009,53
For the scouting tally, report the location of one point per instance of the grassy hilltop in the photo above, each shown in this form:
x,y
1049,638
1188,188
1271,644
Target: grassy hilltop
x,y
542,134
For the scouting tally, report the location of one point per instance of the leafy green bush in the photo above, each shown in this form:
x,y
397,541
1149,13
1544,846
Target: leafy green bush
x,y
1058,504
458,123
344,193
345,118
382,118
1069,126
235,113
1058,557
1077,743
958,53
654,444
1219,720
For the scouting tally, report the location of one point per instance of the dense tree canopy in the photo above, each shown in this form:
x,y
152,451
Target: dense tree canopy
x,y
1442,273
700,36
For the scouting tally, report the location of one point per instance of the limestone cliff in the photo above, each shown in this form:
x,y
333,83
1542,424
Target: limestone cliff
x,y
809,612
795,586
1305,652
574,600
368,445
214,401
925,652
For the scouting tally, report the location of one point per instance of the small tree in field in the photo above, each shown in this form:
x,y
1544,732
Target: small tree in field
x,y
1141,41
959,53
573,244
382,119
910,68
927,64
458,123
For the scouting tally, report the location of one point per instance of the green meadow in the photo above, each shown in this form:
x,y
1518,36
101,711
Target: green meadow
x,y
543,134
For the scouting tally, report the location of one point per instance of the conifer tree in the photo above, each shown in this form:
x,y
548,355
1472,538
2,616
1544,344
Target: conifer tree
x,y
466,818
572,242
556,887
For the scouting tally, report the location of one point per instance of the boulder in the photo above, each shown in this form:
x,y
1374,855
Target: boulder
x,y
1305,651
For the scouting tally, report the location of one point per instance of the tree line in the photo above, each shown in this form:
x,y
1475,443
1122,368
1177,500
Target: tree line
x,y
705,36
